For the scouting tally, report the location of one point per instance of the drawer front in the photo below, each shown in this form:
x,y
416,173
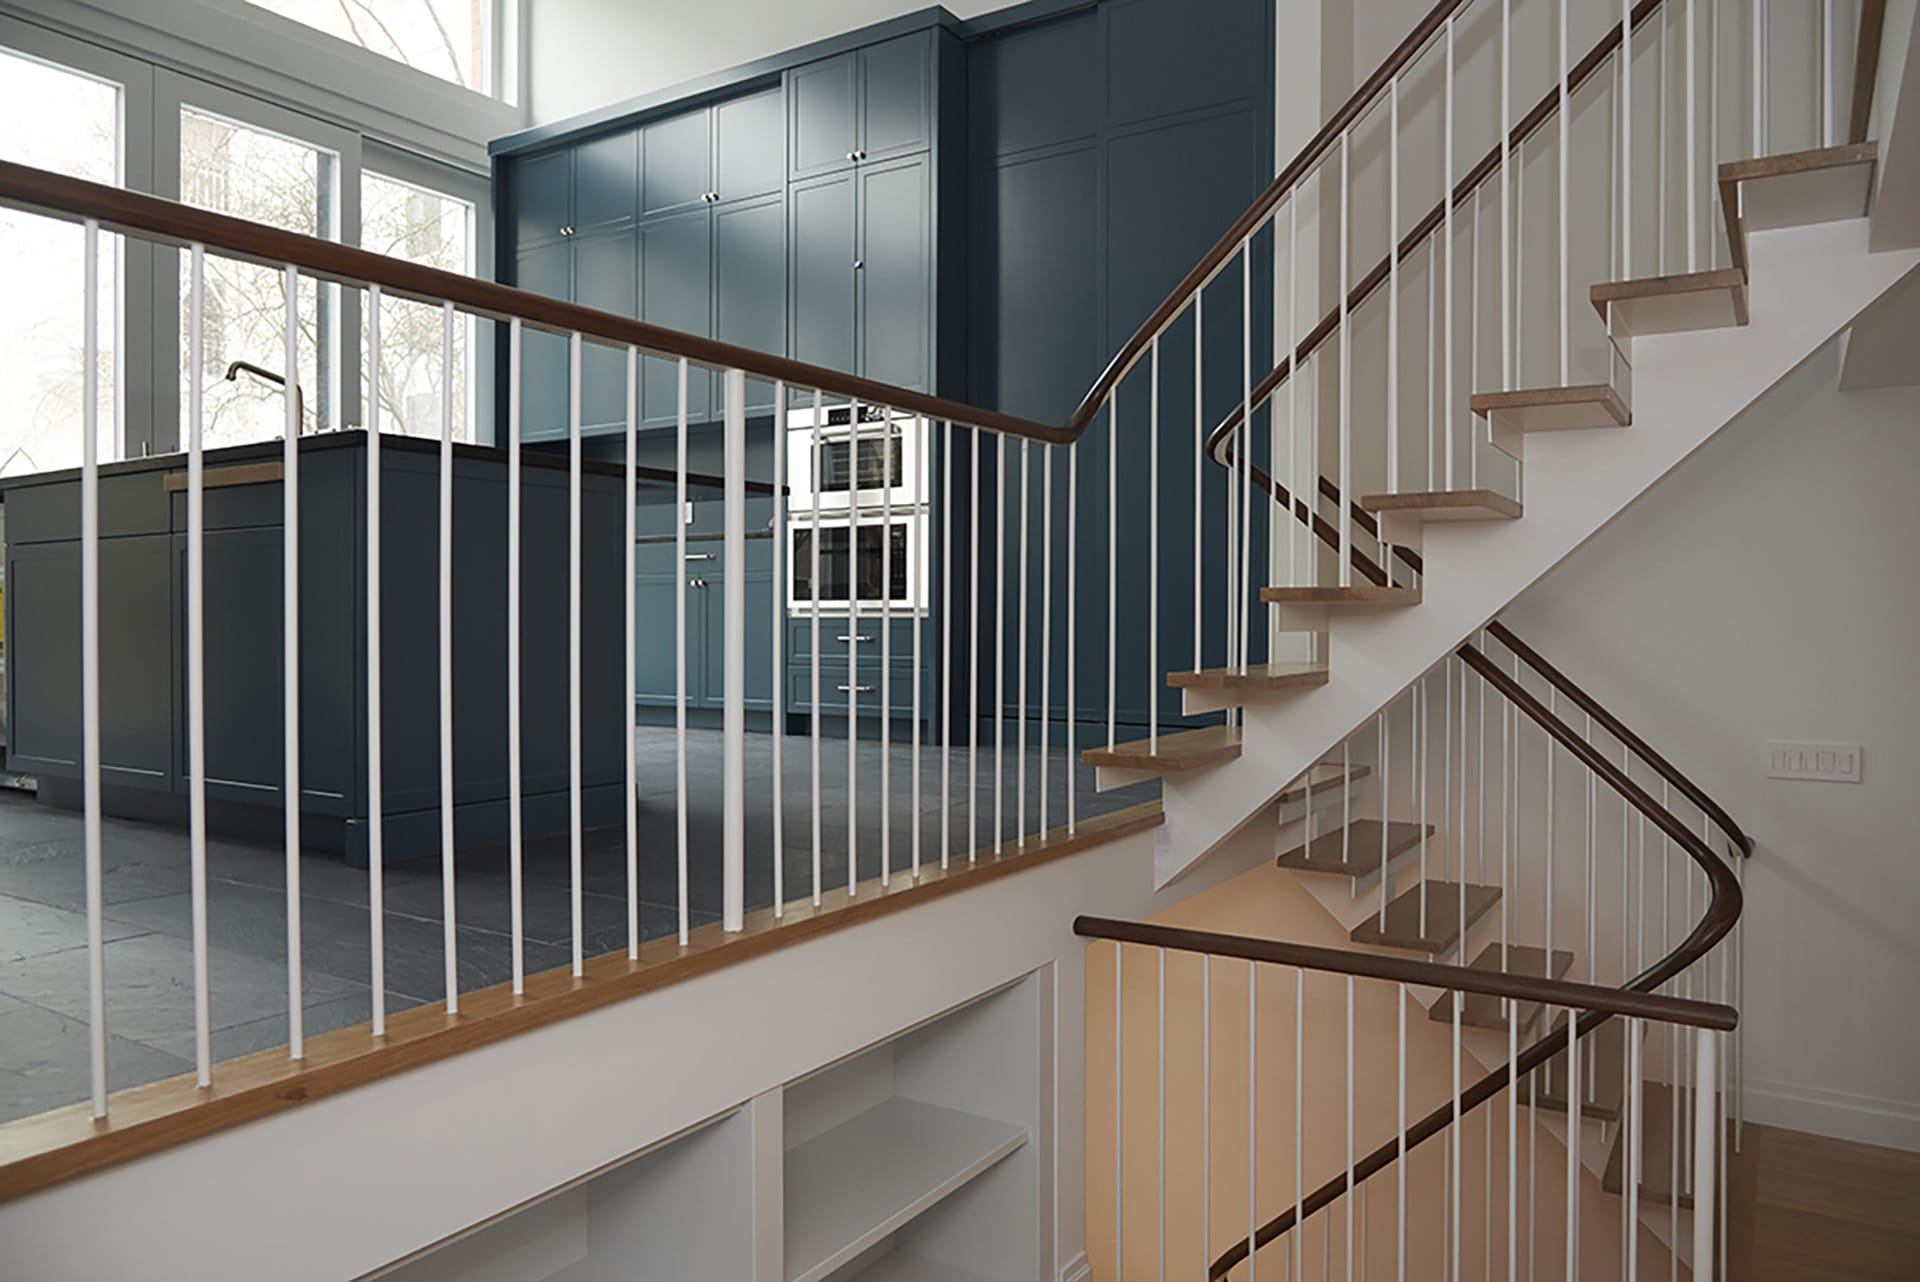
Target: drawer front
x,y
834,683
836,631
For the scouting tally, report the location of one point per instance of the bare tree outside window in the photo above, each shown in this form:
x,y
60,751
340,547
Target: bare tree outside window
x,y
444,38
435,230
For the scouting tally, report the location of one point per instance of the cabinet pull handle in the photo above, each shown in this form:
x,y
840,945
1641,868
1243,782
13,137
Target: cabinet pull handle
x,y
854,689
699,556
856,638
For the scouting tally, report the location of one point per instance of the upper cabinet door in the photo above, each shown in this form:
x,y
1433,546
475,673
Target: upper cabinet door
x,y
896,97
823,271
542,193
823,105
606,175
605,278
895,273
749,283
676,256
676,163
749,146
543,269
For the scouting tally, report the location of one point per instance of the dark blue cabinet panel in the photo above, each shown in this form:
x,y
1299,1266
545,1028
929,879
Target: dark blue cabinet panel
x,y
1171,56
823,112
605,178
605,276
750,282
677,162
749,156
1039,87
894,278
896,97
822,211
676,258
542,197
546,269
656,577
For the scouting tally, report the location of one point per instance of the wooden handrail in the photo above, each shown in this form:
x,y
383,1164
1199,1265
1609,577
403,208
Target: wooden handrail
x,y
1464,979
1866,67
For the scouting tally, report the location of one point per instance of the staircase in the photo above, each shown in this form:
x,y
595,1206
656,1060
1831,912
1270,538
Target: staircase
x,y
1394,533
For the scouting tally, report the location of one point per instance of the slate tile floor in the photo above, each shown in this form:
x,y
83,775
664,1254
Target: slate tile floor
x,y
148,927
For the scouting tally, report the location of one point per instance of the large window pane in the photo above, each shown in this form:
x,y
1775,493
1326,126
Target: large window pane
x,y
444,38
436,230
235,169
64,121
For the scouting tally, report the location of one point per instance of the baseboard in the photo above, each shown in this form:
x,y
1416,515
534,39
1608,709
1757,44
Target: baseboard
x,y
1078,1269
1835,1114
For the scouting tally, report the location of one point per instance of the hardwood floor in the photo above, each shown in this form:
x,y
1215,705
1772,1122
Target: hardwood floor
x,y
1801,1208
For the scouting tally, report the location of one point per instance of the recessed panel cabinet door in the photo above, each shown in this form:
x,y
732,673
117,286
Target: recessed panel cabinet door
x,y
823,99
749,146
895,276
546,269
896,104
676,163
676,258
656,573
750,283
605,274
823,271
606,181
542,197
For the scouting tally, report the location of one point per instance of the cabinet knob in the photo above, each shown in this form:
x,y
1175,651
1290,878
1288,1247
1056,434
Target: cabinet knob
x,y
860,154
566,231
859,264
853,155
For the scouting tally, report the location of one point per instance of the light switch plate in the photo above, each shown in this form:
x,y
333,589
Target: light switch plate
x,y
1825,762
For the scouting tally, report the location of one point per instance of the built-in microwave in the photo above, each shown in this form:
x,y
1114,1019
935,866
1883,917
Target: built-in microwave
x,y
871,463
880,564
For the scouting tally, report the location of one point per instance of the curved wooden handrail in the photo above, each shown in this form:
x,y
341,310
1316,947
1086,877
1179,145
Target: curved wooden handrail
x,y
1722,912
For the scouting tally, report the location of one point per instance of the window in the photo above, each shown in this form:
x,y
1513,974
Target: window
x,y
236,169
451,39
436,230
68,122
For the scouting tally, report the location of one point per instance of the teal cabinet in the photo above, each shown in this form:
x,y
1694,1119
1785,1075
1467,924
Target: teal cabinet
x,y
659,573
749,282
894,272
676,291
823,237
868,104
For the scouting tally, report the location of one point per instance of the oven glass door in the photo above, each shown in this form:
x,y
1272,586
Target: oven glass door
x,y
877,466
855,562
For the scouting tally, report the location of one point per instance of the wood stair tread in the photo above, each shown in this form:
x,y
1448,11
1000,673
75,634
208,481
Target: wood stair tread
x,y
1359,595
1675,304
1355,848
1403,927
1181,750
1603,1073
1483,1011
1556,409
1258,676
1800,187
1327,776
1445,505
1658,1133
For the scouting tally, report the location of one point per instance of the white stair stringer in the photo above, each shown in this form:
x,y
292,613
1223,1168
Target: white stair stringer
x,y
1807,283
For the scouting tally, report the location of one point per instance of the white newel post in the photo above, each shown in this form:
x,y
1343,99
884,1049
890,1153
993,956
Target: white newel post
x,y
734,832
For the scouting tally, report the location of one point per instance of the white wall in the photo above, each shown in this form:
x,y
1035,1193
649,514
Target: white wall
x,y
1764,590
583,54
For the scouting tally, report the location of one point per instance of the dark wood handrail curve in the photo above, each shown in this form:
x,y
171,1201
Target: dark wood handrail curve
x,y
1463,979
1716,922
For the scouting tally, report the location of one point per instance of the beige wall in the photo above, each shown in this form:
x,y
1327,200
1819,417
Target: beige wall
x,y
1270,903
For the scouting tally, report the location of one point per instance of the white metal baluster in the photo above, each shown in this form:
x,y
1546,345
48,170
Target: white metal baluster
x,y
1400,1165
1206,1104
1386,801
973,658
90,660
1626,142
1298,1233
1422,711
1706,1132
1020,705
197,655
920,486
1456,1132
853,651
776,676
1243,605
1072,612
515,801
813,583
1759,76
1046,628
1294,535
1826,73
1199,460
1662,152
1119,1095
1393,310
1153,548
576,828
1513,1138
1473,331
1506,205
1447,198
680,640
1573,1147
886,650
1636,1155
632,753
1113,560
290,636
1693,148
1350,1076
999,637
1346,371
946,646
1566,145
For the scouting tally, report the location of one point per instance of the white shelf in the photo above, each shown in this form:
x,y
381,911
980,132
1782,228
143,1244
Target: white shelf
x,y
901,1267
867,1177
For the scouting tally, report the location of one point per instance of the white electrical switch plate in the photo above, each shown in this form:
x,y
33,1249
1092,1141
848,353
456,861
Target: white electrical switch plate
x,y
1826,762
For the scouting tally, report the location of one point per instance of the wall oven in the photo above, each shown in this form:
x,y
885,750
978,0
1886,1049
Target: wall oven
x,y
867,565
871,463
